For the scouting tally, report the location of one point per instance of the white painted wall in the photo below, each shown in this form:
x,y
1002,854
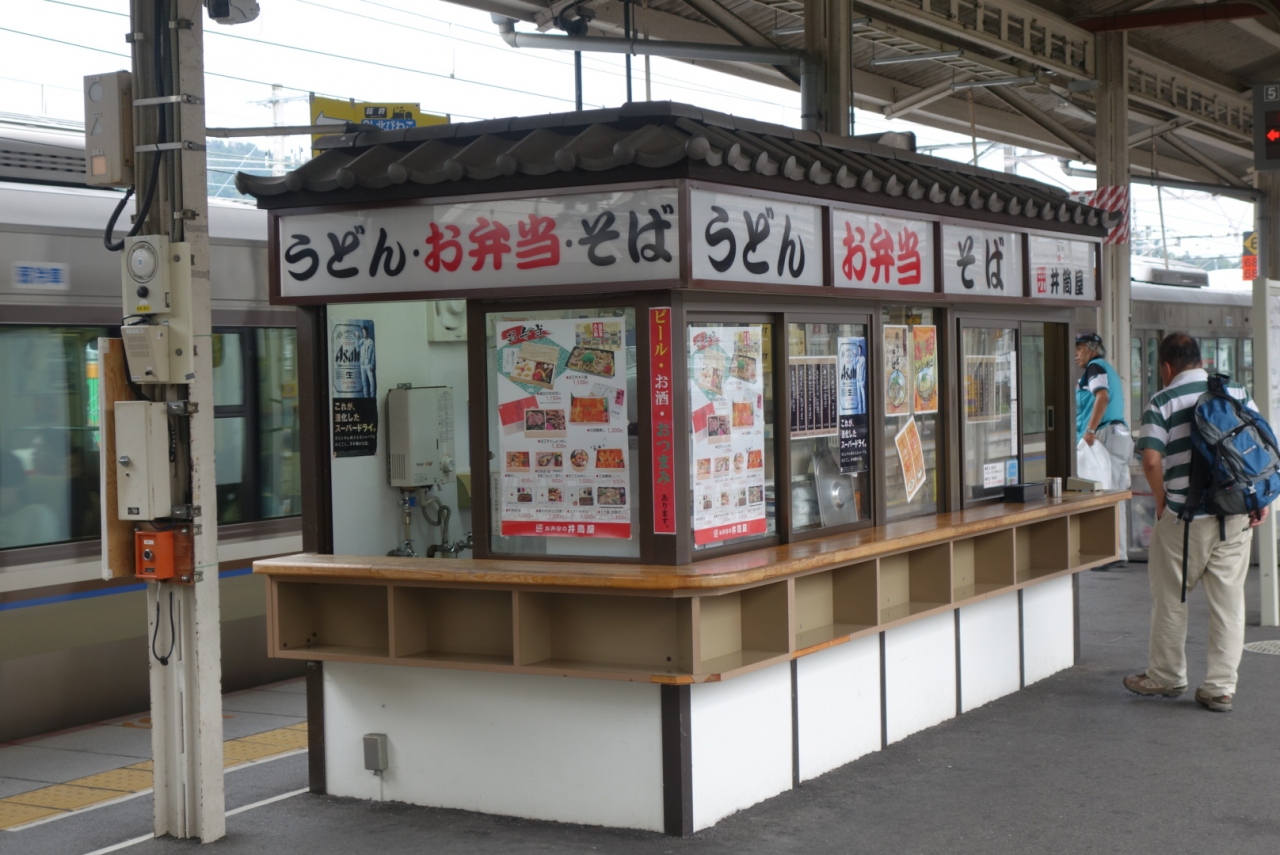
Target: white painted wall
x,y
587,751
989,666
1048,628
741,742
838,705
366,512
920,675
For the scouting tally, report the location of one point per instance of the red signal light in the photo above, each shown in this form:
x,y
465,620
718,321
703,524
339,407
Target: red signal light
x,y
1273,135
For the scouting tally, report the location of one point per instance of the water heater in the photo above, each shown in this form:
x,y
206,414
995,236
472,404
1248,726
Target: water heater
x,y
420,436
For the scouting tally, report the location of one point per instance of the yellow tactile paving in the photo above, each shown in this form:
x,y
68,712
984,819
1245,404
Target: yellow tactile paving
x,y
63,797
236,752
145,764
302,726
123,780
282,738
13,814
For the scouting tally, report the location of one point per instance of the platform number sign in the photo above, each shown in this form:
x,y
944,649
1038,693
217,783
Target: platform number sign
x,y
1266,127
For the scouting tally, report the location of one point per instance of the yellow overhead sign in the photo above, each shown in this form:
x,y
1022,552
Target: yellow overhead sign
x,y
385,116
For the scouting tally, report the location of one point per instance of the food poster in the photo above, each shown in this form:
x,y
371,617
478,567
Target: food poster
x,y
851,404
924,363
353,356
897,371
911,455
726,402
562,412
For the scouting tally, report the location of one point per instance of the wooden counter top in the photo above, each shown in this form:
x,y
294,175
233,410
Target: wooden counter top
x,y
746,568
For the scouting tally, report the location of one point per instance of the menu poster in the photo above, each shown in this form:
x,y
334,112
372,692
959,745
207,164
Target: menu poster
x,y
562,411
924,381
851,404
981,395
911,455
897,370
355,389
726,402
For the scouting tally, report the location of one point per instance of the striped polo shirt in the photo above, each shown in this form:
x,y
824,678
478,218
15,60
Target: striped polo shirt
x,y
1166,428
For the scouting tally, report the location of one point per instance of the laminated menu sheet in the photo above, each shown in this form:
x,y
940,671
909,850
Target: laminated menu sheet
x,y
562,435
726,405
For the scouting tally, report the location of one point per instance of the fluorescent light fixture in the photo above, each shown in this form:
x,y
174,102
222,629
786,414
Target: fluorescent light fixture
x,y
797,29
1000,81
917,57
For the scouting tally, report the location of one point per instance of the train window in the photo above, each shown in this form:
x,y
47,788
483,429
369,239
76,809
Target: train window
x,y
1246,364
49,435
1153,370
1226,363
1135,380
279,475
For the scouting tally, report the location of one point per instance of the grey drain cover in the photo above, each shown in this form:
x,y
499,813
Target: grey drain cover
x,y
1272,647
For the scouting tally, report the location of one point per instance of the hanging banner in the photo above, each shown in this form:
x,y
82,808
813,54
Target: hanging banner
x,y
885,253
726,404
562,435
851,404
741,238
981,261
662,421
897,371
1062,269
355,389
924,374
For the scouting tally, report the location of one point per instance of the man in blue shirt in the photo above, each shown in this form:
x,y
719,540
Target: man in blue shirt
x,y
1100,418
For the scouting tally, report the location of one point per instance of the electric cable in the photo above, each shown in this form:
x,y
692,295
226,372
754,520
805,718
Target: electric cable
x,y
173,632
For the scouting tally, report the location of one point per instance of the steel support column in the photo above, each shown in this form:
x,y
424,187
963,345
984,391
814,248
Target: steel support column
x,y
828,35
1112,146
1267,223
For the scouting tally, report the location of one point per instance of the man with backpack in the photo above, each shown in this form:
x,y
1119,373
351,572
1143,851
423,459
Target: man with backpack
x,y
1211,461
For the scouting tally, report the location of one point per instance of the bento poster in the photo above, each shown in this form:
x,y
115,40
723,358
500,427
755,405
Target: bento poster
x,y
562,415
354,365
726,403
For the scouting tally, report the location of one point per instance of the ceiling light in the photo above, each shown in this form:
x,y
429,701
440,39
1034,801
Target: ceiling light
x,y
999,81
916,57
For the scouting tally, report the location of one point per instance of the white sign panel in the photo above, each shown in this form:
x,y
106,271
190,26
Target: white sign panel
x,y
981,261
41,276
886,253
626,235
743,239
1062,269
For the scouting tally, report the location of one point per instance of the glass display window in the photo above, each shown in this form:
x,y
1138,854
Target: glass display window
x,y
828,424
908,374
563,454
989,424
731,432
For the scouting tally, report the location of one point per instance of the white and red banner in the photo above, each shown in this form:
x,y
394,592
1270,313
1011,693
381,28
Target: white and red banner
x,y
885,253
1110,197
662,421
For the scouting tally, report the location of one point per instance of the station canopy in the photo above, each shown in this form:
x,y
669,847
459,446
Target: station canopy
x,y
1190,65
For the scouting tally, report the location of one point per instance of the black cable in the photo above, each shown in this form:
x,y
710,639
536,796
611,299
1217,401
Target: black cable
x,y
112,245
173,632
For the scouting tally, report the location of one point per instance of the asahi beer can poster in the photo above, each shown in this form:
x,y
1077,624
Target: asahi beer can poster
x,y
851,404
353,353
726,404
897,371
562,414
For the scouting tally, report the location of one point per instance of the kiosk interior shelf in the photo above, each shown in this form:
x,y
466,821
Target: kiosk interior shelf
x,y
706,621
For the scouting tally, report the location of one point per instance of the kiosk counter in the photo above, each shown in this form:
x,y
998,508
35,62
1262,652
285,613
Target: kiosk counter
x,y
726,412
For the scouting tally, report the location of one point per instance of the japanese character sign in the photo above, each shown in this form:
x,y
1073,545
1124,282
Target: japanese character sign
x,y
625,235
885,253
1062,269
981,261
743,239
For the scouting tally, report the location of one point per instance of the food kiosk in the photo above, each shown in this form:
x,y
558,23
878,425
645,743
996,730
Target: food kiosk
x,y
728,410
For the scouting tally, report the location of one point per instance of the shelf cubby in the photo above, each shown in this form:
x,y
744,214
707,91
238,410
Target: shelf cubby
x,y
1042,548
1093,537
743,627
452,625
334,619
835,603
605,633
914,582
981,564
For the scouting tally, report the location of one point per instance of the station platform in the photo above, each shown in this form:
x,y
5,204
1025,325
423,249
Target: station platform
x,y
1075,763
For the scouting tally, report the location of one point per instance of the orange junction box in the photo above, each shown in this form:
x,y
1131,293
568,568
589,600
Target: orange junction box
x,y
163,555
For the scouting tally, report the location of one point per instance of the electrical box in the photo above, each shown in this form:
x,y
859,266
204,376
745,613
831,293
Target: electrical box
x,y
446,320
146,350
108,129
164,555
420,436
145,261
157,286
144,474
375,752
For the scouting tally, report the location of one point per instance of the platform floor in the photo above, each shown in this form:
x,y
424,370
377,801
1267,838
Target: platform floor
x,y
1073,764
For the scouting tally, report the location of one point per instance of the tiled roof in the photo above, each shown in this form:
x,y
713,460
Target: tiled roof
x,y
656,136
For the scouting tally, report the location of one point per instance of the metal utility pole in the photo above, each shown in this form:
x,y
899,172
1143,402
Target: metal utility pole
x,y
186,693
1266,290
1113,171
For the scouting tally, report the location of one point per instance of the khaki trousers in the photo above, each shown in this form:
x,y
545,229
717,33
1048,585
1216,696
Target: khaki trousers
x,y
1221,565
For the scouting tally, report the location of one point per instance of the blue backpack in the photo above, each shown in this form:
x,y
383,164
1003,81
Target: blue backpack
x,y
1235,464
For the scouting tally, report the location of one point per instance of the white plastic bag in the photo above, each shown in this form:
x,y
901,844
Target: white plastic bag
x,y
1094,463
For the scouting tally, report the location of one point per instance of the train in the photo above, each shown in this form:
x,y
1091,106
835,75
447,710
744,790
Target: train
x,y
73,647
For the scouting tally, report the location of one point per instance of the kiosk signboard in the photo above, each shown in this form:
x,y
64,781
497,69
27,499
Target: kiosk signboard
x,y
746,239
1062,269
981,261
885,253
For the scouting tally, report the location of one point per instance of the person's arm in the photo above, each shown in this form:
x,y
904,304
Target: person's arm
x,y
1153,468
1100,399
